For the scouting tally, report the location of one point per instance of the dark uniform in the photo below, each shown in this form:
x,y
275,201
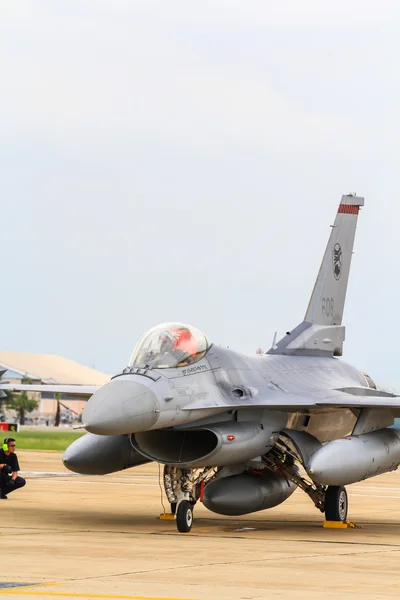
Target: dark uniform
x,y
7,484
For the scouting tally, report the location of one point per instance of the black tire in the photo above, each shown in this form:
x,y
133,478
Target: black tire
x,y
173,507
336,503
184,516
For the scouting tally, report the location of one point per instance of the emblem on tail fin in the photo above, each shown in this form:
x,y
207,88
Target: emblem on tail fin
x,y
337,261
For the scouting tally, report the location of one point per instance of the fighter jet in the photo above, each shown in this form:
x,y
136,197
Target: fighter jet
x,y
241,433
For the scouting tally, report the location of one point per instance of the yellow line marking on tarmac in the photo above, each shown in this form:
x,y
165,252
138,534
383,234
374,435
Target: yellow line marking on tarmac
x,y
22,592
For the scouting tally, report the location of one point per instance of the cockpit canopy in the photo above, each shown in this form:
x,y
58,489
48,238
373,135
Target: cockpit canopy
x,y
170,345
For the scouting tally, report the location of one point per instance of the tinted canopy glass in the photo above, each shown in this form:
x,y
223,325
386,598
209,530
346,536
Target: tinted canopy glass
x,y
170,345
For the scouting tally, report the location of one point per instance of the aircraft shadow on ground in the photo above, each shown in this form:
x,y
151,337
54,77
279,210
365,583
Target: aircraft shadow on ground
x,y
75,518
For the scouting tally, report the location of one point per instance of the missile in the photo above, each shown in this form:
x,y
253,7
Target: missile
x,y
355,458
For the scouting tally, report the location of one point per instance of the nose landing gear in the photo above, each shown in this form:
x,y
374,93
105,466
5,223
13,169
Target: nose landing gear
x,y
184,516
183,488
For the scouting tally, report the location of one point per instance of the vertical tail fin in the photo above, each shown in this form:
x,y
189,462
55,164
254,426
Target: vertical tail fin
x,y
321,331
327,299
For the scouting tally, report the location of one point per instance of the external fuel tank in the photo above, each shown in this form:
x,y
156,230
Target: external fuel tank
x,y
247,492
356,457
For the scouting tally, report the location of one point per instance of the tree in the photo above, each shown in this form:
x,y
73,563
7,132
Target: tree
x,y
58,411
21,403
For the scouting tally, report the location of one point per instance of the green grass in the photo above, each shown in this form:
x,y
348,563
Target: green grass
x,y
45,440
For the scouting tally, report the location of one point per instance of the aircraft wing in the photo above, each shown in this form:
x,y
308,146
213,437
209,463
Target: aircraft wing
x,y
81,391
315,401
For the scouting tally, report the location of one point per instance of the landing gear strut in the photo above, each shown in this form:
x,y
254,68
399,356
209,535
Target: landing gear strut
x,y
183,487
331,500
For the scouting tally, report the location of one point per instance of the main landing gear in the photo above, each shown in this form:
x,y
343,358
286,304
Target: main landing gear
x,y
331,500
336,503
183,487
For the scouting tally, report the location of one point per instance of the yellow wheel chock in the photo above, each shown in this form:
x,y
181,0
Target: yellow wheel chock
x,y
167,517
340,525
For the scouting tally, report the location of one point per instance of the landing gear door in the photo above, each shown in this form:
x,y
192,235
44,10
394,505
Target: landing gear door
x,y
305,444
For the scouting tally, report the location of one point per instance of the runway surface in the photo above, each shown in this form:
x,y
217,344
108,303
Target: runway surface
x,y
68,536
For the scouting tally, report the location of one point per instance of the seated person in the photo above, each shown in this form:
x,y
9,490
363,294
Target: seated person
x,y
9,467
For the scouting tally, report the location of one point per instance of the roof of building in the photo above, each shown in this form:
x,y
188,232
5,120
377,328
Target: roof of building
x,y
50,368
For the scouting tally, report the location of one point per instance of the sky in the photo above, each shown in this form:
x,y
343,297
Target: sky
x,y
183,161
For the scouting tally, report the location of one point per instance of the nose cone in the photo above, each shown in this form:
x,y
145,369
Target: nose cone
x,y
121,406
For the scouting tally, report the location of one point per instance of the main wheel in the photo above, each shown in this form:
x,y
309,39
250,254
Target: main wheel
x,y
336,503
184,516
173,507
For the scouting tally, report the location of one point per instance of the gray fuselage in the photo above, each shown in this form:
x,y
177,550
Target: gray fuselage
x,y
222,385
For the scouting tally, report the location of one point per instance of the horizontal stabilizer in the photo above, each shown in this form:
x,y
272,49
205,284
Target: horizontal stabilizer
x,y
361,402
366,392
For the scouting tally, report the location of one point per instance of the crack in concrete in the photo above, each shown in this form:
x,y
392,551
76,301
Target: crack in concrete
x,y
135,534
226,563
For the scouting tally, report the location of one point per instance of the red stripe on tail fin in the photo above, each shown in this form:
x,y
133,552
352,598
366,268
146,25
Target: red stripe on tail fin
x,y
348,209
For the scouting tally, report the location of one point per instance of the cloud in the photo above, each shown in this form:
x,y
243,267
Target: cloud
x,y
177,160
79,96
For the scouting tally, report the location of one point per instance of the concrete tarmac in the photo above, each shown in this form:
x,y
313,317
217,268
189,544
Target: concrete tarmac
x,y
70,536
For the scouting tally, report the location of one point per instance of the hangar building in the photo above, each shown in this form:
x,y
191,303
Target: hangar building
x,y
49,368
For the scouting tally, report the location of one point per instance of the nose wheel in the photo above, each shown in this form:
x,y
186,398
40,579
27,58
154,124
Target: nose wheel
x,y
183,488
184,516
336,503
